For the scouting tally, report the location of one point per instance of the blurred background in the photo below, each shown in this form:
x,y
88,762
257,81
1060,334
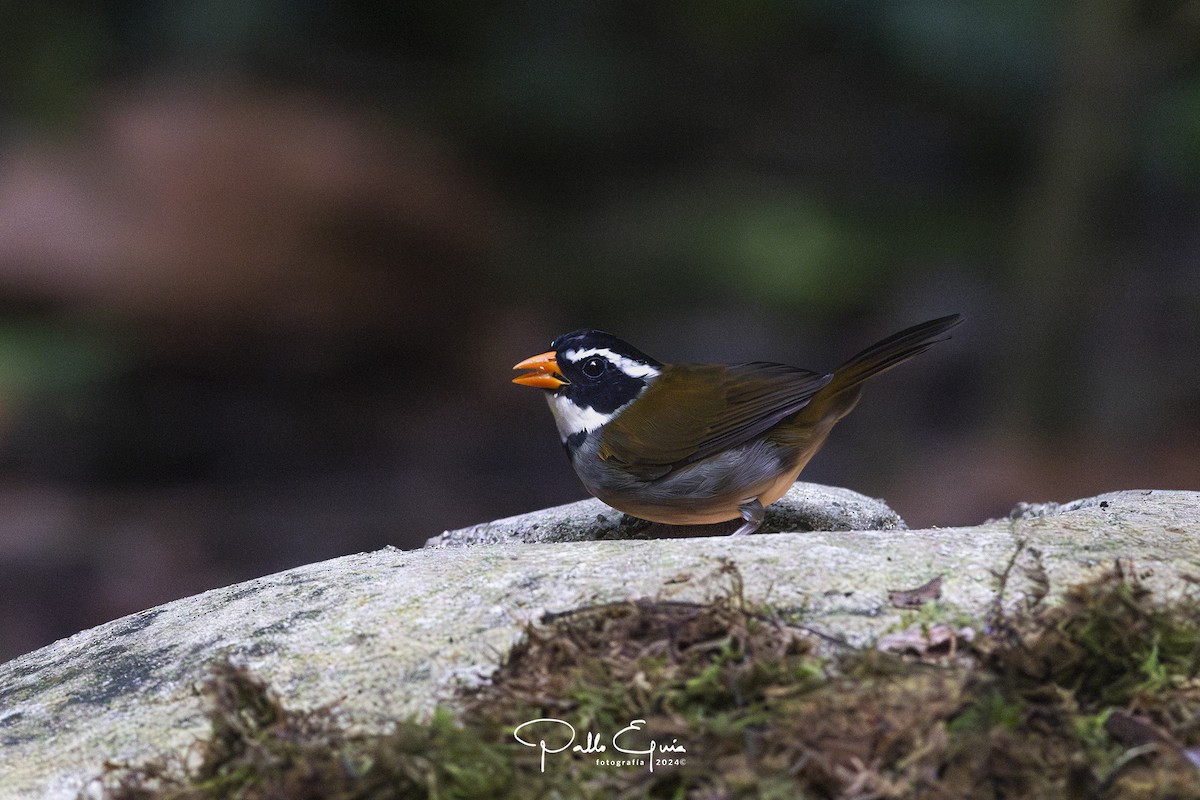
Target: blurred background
x,y
265,265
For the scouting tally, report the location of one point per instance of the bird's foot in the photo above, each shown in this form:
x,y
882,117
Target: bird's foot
x,y
752,512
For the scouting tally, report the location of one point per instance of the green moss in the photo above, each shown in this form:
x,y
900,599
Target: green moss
x,y
258,749
1093,697
935,612
1109,642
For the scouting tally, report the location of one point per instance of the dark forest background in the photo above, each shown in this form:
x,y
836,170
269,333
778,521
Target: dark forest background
x,y
265,265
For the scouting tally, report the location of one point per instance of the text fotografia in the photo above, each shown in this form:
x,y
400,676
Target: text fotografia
x,y
639,754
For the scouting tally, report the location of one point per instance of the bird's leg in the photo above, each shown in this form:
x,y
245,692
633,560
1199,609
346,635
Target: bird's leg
x,y
752,512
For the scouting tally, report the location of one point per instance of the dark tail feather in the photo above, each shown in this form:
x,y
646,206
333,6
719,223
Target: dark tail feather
x,y
893,350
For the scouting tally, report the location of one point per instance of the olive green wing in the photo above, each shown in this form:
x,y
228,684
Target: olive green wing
x,y
695,410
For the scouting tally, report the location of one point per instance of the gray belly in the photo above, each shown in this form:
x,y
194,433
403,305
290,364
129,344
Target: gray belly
x,y
708,490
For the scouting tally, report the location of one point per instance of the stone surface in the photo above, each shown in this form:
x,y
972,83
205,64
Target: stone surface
x,y
805,507
391,633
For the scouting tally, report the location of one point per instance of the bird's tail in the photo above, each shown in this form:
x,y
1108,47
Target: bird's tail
x,y
895,349
838,398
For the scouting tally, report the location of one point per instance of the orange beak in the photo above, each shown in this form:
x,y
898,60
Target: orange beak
x,y
545,374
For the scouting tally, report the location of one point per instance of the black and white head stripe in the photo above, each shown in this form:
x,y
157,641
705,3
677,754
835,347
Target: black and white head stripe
x,y
577,344
603,373
632,367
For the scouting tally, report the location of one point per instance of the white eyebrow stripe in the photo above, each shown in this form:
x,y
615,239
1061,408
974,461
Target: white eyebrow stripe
x,y
634,369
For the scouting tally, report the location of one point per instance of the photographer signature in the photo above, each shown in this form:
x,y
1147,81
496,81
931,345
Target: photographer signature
x,y
594,742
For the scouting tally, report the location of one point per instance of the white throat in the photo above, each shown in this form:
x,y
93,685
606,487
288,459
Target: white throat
x,y
572,419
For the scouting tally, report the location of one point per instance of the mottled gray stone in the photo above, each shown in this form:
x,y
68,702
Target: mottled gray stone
x,y
805,507
1032,510
388,634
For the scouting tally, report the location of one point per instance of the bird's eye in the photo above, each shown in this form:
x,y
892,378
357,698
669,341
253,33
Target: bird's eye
x,y
593,367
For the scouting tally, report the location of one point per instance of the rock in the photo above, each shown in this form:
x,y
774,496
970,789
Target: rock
x,y
1031,510
388,634
805,507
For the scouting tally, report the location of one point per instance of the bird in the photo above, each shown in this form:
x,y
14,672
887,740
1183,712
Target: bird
x,y
695,444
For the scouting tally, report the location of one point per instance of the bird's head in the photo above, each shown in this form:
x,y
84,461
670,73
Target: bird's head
x,y
590,376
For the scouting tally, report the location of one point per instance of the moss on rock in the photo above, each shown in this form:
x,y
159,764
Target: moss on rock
x,y
1096,696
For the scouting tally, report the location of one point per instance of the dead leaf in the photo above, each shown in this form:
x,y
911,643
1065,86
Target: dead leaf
x,y
919,641
915,598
